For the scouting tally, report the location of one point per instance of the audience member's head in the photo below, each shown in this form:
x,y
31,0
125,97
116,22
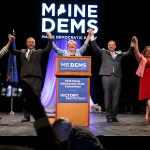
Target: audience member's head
x,y
62,128
75,137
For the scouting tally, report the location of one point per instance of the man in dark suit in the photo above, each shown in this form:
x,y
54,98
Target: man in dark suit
x,y
110,71
31,71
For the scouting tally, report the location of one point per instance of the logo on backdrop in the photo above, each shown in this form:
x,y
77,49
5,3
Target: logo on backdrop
x,y
69,21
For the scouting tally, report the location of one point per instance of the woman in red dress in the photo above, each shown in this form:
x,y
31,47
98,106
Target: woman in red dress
x,y
143,72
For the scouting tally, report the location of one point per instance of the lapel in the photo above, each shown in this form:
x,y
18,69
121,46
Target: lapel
x,y
109,53
119,52
24,51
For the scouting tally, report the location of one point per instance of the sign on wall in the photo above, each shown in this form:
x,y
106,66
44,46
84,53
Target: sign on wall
x,y
69,20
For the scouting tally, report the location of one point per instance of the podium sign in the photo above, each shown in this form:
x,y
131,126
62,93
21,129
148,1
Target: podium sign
x,y
73,66
73,88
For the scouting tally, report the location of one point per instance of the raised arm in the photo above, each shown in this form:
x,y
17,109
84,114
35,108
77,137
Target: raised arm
x,y
94,45
49,35
57,50
14,51
85,45
131,48
5,49
10,39
88,36
49,44
137,54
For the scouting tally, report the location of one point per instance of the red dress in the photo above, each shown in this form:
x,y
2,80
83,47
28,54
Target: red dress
x,y
144,88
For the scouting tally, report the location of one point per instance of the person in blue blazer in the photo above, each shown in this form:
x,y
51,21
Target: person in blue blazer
x,y
72,50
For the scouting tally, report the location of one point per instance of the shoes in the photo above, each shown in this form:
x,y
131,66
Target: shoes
x,y
115,119
147,119
25,119
112,119
109,120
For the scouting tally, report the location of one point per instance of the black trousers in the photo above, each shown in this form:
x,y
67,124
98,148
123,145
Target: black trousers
x,y
35,83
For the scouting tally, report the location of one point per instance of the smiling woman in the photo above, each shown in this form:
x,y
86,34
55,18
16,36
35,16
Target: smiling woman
x,y
72,45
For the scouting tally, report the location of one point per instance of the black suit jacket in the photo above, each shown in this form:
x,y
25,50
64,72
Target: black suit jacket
x,y
33,66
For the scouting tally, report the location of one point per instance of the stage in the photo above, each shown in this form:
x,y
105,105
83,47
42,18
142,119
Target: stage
x,y
110,134
129,125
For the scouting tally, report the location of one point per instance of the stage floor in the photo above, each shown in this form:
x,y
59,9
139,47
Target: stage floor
x,y
110,134
129,125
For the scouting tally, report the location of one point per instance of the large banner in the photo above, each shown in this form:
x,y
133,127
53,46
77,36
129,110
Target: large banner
x,y
72,90
69,20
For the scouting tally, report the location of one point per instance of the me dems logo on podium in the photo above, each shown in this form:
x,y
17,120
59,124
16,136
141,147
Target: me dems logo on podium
x,y
74,65
73,88
73,79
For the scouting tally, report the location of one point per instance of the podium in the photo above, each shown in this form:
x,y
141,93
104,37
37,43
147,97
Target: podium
x,y
73,88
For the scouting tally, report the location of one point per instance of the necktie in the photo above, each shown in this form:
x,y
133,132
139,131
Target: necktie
x,y
113,55
29,55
